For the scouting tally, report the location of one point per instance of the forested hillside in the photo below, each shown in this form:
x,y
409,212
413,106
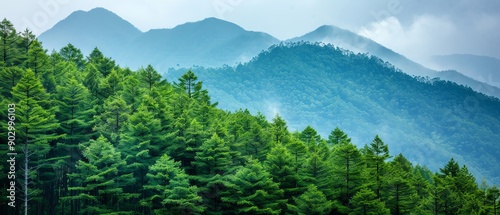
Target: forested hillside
x,y
428,120
92,137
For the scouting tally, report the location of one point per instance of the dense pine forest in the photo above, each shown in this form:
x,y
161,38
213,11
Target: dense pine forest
x,y
92,137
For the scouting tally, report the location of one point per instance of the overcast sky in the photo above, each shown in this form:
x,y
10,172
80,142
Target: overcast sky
x,y
415,28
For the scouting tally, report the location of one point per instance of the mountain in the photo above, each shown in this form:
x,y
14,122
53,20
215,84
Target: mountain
x,y
209,42
481,68
359,44
429,120
87,30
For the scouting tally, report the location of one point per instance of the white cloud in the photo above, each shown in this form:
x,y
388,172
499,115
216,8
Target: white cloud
x,y
429,35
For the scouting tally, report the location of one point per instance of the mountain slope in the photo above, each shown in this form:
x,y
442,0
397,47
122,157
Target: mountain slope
x,y
481,68
209,42
354,42
427,119
87,30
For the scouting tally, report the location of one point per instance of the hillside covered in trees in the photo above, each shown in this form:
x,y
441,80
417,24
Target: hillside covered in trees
x,y
428,120
95,138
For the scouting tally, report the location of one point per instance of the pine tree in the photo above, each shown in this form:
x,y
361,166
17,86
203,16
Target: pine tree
x,y
140,143
8,37
493,200
36,125
91,81
101,180
319,171
279,130
212,161
75,115
114,116
170,190
110,85
188,83
311,202
149,76
74,112
366,202
451,169
132,93
72,54
337,136
103,64
310,136
38,60
376,154
26,38
400,195
445,199
256,142
252,191
280,164
9,76
348,171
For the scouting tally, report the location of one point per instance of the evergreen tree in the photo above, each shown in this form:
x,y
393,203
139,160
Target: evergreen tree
x,y
8,49
279,130
91,81
110,85
114,116
149,76
212,161
252,191
348,171
72,54
493,200
140,143
103,64
37,59
450,169
9,76
311,202
26,38
337,136
74,112
279,164
132,93
256,142
170,190
366,202
310,136
188,83
400,195
376,154
101,180
36,125
444,198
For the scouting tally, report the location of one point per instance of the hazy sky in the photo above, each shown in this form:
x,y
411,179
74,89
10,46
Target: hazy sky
x,y
415,28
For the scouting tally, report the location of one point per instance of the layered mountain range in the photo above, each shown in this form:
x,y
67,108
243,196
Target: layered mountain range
x,y
426,114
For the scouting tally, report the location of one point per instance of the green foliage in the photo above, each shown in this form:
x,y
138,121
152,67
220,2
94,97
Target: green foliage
x,y
348,169
251,191
376,154
96,138
311,202
365,202
149,76
72,54
171,192
101,179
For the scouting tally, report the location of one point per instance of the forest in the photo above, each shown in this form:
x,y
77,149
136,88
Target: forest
x,y
427,119
92,137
